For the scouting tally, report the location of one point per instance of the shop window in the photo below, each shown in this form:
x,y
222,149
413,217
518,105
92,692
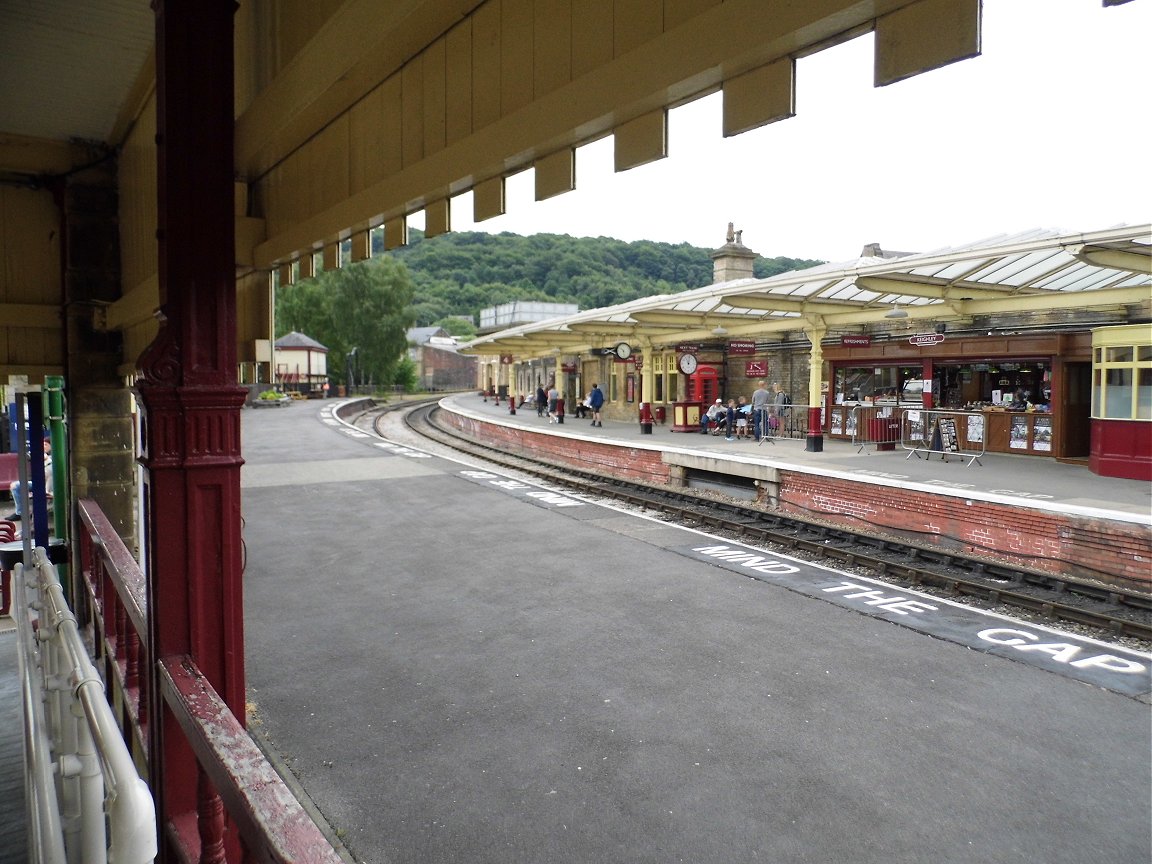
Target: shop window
x,y
883,385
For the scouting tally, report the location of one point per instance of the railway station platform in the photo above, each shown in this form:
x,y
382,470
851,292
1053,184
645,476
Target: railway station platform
x,y
1039,512
436,690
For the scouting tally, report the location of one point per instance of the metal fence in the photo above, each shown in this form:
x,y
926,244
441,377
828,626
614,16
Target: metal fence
x,y
782,421
873,424
930,432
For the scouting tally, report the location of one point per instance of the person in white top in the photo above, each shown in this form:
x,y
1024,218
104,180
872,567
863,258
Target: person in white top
x,y
716,412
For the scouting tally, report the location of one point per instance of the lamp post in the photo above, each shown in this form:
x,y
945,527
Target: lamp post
x,y
349,368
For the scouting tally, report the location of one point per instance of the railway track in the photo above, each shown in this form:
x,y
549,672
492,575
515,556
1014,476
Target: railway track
x,y
1110,611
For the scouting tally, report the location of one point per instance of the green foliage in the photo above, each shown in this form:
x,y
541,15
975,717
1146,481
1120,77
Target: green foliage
x,y
462,273
458,327
365,306
405,375
369,305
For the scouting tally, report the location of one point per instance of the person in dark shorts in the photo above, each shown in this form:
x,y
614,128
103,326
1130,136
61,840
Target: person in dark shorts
x,y
596,399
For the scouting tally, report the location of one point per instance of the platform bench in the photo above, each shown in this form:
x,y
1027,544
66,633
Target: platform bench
x,y
9,470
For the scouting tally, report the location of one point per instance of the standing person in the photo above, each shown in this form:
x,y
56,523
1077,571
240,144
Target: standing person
x,y
760,399
730,420
553,398
541,400
17,490
596,402
779,407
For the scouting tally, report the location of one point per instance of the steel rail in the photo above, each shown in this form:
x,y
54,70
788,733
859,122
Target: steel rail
x,y
1127,613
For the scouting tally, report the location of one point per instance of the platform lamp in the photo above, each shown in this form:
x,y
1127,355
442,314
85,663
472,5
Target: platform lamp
x,y
895,312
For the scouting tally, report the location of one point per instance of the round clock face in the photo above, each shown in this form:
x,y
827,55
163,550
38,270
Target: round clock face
x,y
688,363
623,350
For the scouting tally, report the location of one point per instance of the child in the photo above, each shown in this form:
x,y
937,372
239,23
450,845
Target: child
x,y
742,409
730,420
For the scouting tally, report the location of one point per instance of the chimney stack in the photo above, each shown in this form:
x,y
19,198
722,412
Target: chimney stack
x,y
733,260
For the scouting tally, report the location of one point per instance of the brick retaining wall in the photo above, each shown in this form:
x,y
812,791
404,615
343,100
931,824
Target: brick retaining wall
x,y
1054,543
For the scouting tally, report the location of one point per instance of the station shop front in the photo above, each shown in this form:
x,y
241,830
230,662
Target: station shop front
x,y
1033,389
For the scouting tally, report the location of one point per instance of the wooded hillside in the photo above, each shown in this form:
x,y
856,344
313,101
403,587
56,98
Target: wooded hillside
x,y
462,273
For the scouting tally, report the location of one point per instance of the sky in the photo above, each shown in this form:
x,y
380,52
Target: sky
x,y
1048,128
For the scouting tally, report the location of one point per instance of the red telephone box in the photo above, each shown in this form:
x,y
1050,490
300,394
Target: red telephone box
x,y
703,385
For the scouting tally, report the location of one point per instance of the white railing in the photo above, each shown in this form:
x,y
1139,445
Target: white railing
x,y
86,802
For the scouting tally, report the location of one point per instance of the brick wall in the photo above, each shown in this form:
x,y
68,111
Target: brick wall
x,y
1051,542
1112,552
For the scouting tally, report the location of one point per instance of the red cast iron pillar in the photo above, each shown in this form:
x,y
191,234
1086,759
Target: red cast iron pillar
x,y
187,385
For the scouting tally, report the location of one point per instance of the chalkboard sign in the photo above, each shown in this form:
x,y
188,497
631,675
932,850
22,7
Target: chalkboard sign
x,y
944,435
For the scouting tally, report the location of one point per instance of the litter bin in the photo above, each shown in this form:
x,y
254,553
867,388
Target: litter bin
x,y
645,418
884,431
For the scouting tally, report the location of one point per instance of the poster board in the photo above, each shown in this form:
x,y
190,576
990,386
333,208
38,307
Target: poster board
x,y
1042,434
944,435
1018,433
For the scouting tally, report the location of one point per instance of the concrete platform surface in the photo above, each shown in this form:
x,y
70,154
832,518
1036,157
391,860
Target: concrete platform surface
x,y
459,667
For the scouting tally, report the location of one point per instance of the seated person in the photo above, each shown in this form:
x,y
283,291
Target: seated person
x,y
17,491
716,413
584,407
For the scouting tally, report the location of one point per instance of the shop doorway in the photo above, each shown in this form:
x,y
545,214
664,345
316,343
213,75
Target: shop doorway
x,y
1077,411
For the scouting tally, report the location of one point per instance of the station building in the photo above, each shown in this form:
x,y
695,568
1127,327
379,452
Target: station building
x,y
1045,337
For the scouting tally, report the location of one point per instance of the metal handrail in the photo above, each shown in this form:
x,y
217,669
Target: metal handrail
x,y
90,804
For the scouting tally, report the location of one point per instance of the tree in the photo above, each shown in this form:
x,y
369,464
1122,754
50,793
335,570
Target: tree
x,y
364,307
458,327
405,375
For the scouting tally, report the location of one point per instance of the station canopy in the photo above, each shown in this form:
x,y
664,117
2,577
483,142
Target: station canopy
x,y
1035,271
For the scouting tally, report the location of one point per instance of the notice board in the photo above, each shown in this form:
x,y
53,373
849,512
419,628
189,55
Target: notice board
x,y
944,435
